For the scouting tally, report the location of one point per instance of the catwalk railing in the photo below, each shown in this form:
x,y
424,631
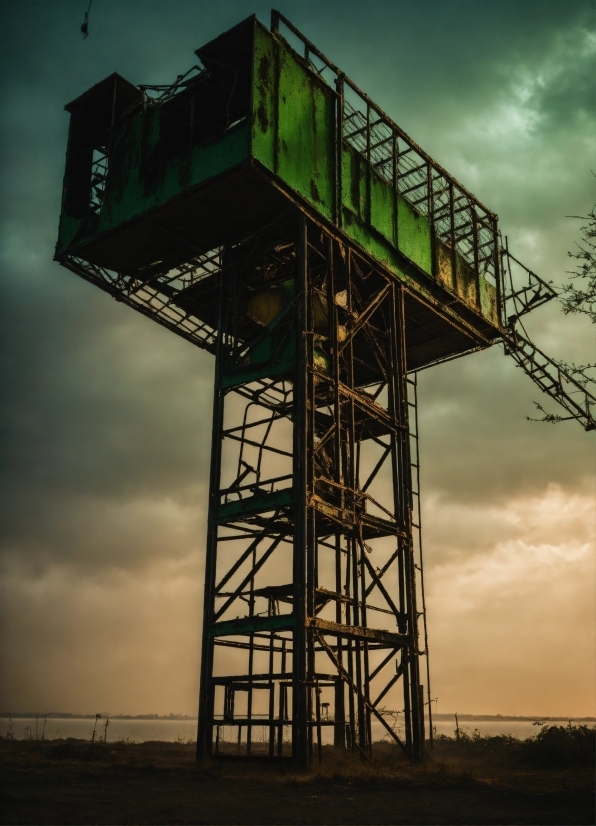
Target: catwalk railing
x,y
459,219
158,295
526,291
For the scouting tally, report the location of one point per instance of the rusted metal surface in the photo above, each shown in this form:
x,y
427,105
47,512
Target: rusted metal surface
x,y
553,378
391,184
312,533
156,176
357,632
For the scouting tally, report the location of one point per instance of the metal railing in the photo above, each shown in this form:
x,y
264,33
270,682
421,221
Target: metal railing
x,y
459,219
155,295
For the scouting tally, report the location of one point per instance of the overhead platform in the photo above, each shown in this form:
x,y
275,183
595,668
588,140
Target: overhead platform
x,y
158,177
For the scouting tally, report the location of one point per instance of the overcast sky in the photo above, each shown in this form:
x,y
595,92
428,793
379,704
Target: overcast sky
x,y
106,416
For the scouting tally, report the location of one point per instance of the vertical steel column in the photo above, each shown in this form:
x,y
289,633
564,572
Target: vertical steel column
x,y
339,730
339,140
402,481
206,698
417,515
302,516
347,331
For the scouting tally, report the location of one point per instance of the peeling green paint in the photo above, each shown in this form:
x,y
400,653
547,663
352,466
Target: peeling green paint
x,y
263,98
414,236
254,504
305,136
247,625
488,300
206,161
382,209
465,282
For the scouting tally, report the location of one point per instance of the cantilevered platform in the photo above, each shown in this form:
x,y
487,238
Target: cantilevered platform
x,y
157,178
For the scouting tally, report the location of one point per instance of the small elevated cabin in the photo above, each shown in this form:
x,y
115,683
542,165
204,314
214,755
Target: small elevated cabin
x,y
156,177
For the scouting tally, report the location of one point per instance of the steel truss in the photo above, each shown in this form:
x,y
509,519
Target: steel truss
x,y
553,378
310,632
564,384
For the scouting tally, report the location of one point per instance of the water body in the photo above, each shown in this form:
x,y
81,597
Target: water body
x,y
141,731
138,731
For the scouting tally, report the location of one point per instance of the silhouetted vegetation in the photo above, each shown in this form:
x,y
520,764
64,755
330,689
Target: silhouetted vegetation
x,y
546,779
561,746
580,296
552,746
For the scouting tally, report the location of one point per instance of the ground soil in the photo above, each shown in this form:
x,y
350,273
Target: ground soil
x,y
72,782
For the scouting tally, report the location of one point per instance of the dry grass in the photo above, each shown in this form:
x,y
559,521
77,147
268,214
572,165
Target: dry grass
x,y
74,782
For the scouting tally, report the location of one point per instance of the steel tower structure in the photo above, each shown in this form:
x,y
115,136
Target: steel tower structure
x,y
265,209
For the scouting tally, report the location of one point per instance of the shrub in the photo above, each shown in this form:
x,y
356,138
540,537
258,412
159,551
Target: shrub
x,y
561,746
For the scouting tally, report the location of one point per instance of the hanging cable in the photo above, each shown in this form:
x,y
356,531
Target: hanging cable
x,y
85,23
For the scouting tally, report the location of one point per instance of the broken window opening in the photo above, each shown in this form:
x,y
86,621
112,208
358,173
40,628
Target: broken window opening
x,y
99,172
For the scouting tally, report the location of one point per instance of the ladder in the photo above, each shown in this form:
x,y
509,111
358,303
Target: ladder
x,y
417,532
559,381
552,378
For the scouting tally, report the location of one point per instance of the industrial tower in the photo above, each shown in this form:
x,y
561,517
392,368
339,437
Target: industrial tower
x,y
265,209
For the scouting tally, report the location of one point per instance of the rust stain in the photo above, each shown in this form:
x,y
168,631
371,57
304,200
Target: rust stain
x,y
262,118
264,69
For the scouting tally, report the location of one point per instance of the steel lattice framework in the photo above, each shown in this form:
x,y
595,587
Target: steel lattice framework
x,y
323,559
268,211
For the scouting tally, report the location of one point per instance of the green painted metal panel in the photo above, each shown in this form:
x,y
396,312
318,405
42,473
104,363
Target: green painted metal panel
x,y
140,192
372,205
255,504
67,231
130,191
305,133
267,359
353,179
488,300
444,264
465,285
125,195
414,236
264,92
247,625
382,208
373,243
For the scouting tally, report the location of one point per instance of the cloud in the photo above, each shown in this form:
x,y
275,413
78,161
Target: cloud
x,y
119,641
89,534
510,623
476,443
106,417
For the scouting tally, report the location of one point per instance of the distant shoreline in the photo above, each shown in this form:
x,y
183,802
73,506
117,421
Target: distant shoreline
x,y
63,715
509,717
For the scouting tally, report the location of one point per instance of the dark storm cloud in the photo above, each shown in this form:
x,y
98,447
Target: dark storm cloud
x,y
83,374
81,436
477,444
106,417
72,402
